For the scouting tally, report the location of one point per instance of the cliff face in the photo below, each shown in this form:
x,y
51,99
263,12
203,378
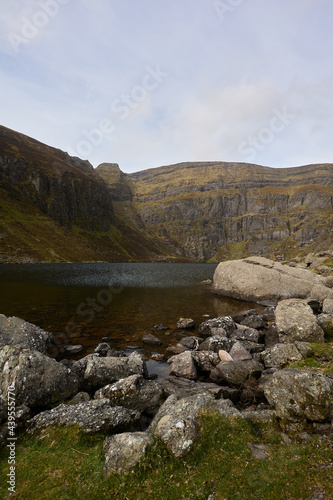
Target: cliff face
x,y
56,207
199,208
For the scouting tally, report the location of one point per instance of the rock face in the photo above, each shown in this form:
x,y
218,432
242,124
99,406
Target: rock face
x,y
123,451
19,333
38,379
257,278
92,416
295,321
300,394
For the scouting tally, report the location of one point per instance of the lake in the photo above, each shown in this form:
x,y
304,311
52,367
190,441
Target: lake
x,y
85,302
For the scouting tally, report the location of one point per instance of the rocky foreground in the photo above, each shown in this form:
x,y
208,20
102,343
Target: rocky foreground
x,y
236,366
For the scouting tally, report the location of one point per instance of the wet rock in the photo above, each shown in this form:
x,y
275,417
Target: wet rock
x,y
92,416
183,365
19,333
300,395
185,324
206,360
39,380
295,321
191,343
217,326
178,422
134,392
72,349
102,349
281,355
160,328
124,451
216,343
103,371
151,339
239,353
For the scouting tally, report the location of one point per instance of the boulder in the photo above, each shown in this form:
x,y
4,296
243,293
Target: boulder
x,y
123,451
151,339
182,388
206,360
300,395
281,355
134,392
233,372
295,321
259,279
38,379
103,371
191,342
185,324
217,326
325,321
178,422
19,333
245,333
183,365
239,353
328,306
92,416
216,343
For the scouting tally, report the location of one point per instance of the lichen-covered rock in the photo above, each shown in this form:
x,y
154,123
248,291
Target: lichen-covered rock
x,y
178,422
206,360
295,321
300,395
182,388
183,365
217,326
100,372
185,324
328,306
92,416
234,373
280,355
38,379
134,392
123,451
245,333
19,333
325,321
216,344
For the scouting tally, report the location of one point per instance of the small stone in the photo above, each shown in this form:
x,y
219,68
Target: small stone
x,y
160,327
151,339
239,353
224,355
72,349
259,451
185,324
102,349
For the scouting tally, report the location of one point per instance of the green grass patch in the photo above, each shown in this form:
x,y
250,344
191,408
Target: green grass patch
x,y
321,358
67,464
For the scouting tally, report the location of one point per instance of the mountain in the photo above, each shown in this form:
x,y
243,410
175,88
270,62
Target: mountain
x,y
57,207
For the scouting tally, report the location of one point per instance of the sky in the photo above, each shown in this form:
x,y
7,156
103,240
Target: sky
x,y
145,83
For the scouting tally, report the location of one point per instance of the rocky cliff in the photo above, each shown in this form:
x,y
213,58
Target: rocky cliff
x,y
56,207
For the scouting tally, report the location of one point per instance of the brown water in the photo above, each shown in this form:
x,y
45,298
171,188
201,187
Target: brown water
x,y
83,303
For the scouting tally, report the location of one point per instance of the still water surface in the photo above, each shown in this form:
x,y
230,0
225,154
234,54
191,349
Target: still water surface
x,y
121,301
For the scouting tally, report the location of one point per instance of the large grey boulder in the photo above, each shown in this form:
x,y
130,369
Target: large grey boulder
x,y
123,451
182,388
183,365
257,278
19,333
178,422
93,416
300,395
281,355
134,392
100,372
295,321
38,379
224,325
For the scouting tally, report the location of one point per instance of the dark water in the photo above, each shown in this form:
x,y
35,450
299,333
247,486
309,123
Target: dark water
x,y
83,303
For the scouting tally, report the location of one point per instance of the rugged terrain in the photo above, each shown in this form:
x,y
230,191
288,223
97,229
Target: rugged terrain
x,y
54,207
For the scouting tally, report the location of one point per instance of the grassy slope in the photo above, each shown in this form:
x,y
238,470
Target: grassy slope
x,y
66,464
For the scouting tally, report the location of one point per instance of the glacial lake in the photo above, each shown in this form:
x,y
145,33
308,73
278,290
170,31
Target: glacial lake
x,y
86,302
